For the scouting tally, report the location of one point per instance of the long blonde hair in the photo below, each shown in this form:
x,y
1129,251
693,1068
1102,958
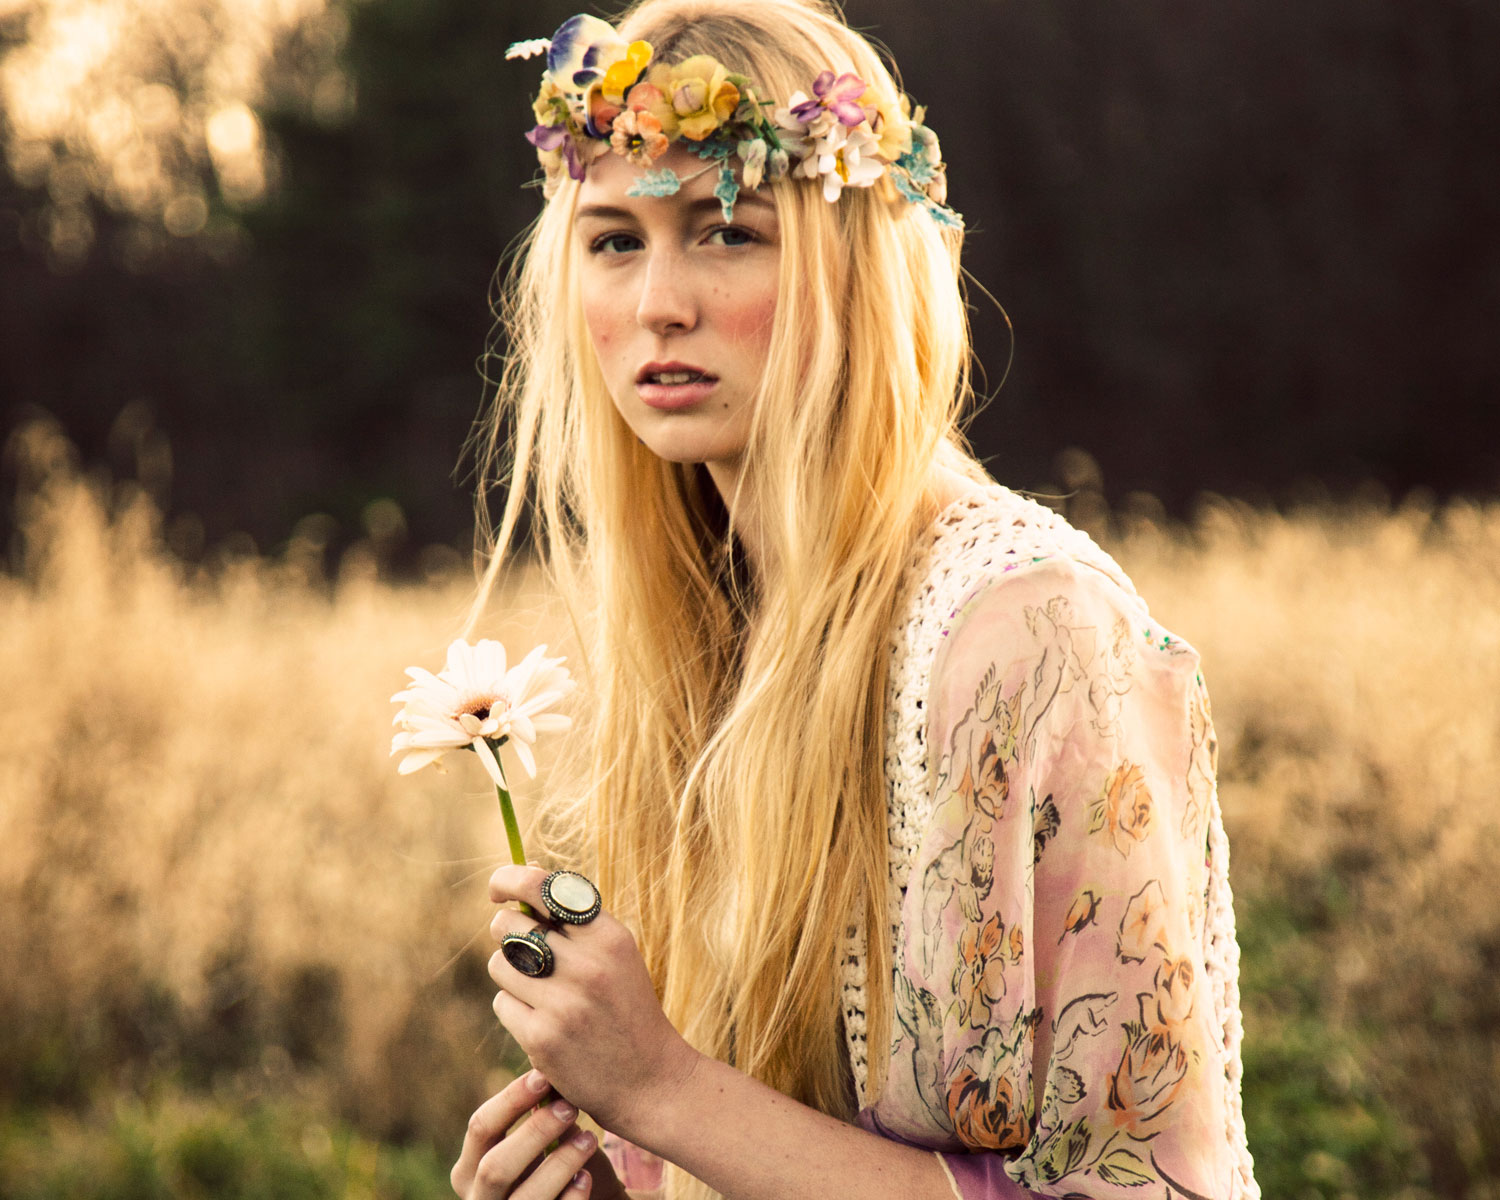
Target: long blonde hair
x,y
735,807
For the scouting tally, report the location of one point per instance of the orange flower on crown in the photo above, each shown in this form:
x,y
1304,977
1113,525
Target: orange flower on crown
x,y
638,136
700,93
647,98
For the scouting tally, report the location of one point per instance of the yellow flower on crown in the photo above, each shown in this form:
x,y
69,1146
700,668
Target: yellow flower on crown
x,y
892,125
622,74
605,98
700,93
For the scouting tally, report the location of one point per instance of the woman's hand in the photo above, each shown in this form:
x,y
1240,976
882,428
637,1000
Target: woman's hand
x,y
594,1026
494,1164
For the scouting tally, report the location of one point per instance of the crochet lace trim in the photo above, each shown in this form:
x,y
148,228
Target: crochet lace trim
x,y
972,541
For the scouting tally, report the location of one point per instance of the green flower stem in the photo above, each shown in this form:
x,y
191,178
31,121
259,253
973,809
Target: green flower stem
x,y
512,826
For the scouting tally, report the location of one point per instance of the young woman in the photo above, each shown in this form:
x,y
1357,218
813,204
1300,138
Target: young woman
x,y
901,806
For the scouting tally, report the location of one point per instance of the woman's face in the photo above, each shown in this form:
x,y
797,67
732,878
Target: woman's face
x,y
679,305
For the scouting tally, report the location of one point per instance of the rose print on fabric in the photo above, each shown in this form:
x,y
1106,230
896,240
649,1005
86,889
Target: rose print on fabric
x,y
985,1112
979,978
1151,1071
1173,998
1144,924
988,1104
974,779
982,744
1124,810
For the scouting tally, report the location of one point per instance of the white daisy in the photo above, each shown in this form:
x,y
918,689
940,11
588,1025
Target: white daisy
x,y
476,702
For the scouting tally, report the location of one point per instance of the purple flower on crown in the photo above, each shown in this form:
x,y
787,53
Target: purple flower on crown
x,y
574,59
556,138
839,95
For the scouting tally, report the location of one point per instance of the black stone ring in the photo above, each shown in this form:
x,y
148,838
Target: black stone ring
x,y
570,898
528,952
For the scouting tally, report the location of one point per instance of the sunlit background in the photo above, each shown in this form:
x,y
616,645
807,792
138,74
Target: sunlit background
x,y
1250,269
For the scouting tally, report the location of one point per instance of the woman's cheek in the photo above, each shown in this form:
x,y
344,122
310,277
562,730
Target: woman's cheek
x,y
748,321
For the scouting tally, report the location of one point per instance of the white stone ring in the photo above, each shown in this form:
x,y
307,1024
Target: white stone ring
x,y
570,898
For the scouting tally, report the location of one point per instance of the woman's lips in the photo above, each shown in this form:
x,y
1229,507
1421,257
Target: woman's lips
x,y
675,395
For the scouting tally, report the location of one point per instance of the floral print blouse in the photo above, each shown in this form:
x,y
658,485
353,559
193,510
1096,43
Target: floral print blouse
x,y
1055,1027
1065,1022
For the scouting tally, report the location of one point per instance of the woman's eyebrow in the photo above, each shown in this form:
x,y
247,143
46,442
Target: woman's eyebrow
x,y
611,212
607,212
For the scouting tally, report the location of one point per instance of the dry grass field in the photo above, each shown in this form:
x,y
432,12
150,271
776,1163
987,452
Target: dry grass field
x,y
238,953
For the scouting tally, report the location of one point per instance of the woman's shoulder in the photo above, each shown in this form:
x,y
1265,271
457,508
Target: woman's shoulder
x,y
991,546
990,532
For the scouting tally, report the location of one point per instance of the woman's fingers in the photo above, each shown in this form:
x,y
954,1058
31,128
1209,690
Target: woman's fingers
x,y
512,882
556,1175
491,1161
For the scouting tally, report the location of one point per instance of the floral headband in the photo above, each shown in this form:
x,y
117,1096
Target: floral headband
x,y
603,94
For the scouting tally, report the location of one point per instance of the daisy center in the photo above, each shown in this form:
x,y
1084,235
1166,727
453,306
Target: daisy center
x,y
480,707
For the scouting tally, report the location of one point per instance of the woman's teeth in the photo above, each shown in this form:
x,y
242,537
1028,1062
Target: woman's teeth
x,y
671,377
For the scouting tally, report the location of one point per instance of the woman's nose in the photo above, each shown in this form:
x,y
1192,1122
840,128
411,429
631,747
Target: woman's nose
x,y
666,303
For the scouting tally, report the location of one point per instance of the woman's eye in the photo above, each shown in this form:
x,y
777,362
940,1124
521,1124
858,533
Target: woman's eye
x,y
731,235
614,243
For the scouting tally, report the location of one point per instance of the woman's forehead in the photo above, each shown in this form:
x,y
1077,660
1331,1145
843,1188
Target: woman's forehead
x,y
610,178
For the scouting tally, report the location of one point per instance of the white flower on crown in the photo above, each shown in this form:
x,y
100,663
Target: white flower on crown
x,y
853,164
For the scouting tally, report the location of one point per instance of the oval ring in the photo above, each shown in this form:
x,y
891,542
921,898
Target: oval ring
x,y
570,897
529,953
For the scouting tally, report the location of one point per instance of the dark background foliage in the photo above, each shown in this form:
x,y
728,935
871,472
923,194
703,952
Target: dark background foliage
x,y
1246,248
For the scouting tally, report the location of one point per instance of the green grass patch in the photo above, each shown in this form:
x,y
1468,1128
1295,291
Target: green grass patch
x,y
181,1147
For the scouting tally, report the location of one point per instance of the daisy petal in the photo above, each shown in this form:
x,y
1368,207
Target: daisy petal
x,y
491,765
523,752
521,726
416,761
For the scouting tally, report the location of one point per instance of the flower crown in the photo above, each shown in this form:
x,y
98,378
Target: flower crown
x,y
601,93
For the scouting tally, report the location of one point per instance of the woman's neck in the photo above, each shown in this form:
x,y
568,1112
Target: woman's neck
x,y
944,486
732,484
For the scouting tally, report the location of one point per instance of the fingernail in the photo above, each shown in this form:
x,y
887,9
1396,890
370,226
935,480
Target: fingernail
x,y
583,1139
536,1081
563,1111
580,1181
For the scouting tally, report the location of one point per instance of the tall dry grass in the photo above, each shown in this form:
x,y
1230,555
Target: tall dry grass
x,y
209,870
1354,660
208,864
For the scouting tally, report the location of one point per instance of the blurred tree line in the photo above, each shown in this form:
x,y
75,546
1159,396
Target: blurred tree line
x,y
1248,249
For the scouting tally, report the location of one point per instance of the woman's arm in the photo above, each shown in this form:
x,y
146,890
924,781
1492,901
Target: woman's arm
x,y
595,1029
